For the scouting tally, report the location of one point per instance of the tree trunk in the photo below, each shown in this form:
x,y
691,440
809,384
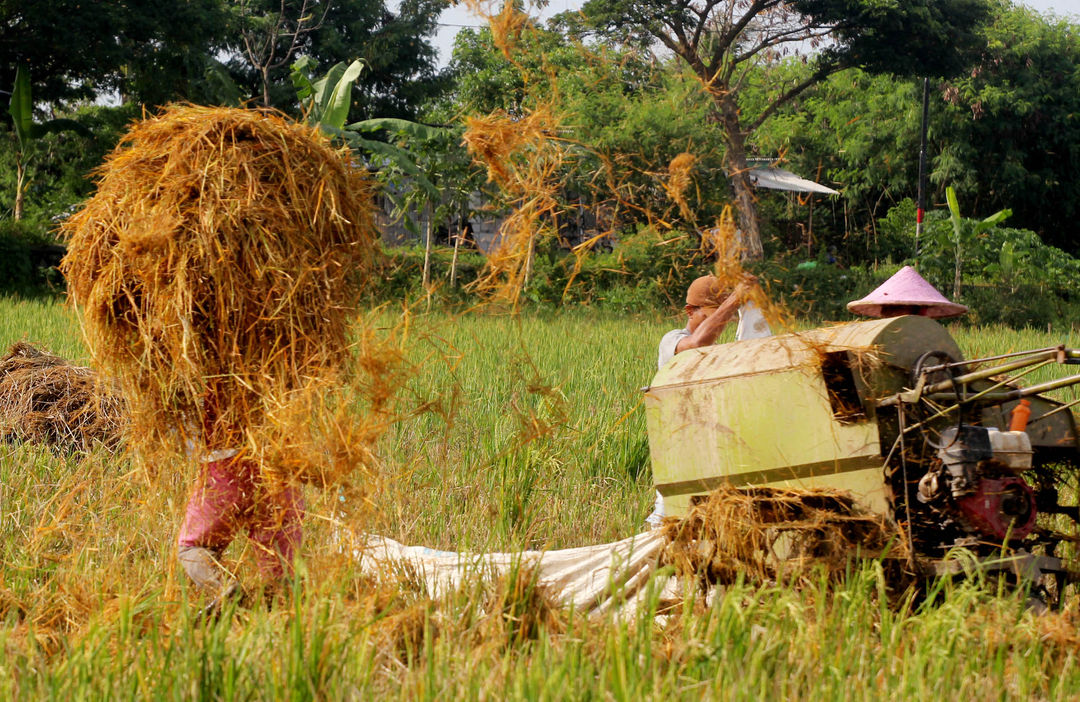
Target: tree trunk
x,y
265,72
956,275
453,261
739,174
427,250
20,175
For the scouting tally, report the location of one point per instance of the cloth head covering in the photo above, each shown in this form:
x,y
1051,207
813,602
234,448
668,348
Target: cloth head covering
x,y
906,292
706,291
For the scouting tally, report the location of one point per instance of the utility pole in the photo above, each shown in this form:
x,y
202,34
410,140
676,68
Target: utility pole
x,y
921,207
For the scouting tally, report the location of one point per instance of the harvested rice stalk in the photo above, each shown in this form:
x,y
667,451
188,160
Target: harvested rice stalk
x,y
524,158
679,173
518,608
722,242
215,272
766,534
44,399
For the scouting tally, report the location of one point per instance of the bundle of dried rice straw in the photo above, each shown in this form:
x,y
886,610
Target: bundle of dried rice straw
x,y
215,271
766,534
44,399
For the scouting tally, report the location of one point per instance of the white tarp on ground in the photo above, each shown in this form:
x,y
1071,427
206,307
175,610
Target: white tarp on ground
x,y
779,179
590,578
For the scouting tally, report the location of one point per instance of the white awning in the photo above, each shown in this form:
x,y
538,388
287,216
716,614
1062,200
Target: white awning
x,y
779,179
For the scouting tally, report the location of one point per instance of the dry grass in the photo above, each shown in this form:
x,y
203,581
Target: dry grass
x,y
768,534
524,158
45,399
722,243
679,179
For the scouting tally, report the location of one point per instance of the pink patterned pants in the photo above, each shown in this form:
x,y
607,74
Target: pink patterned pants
x,y
231,498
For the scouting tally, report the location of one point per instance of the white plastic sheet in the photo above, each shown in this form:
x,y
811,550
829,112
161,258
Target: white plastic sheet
x,y
593,579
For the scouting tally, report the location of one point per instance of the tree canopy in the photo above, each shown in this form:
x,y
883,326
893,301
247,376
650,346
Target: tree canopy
x,y
149,50
152,52
400,70
724,41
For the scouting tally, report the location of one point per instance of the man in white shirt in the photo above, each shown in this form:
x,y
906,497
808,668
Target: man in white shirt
x,y
709,309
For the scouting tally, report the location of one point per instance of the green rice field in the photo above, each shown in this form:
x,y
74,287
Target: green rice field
x,y
511,432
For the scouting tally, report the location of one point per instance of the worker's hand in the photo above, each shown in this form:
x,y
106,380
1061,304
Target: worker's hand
x,y
745,288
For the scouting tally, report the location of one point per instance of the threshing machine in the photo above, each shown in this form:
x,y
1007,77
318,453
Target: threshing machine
x,y
954,452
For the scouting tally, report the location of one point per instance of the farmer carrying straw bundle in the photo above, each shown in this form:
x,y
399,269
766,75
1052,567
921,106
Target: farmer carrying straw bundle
x,y
215,271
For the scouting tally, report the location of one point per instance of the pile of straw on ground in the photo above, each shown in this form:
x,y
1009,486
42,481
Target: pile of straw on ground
x,y
46,400
768,534
215,271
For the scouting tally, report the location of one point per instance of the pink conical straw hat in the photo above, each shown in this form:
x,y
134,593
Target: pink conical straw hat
x,y
906,289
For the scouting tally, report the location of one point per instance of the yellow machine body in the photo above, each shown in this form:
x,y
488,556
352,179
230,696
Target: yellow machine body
x,y
792,410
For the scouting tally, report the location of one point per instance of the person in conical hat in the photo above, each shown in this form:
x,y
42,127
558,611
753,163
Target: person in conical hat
x,y
906,292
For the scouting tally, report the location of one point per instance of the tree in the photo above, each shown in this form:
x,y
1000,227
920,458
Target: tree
x,y
21,109
1013,132
857,132
723,41
627,115
273,31
399,60
401,64
144,49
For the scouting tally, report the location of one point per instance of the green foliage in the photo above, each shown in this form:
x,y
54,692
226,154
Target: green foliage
x,y
325,101
1004,135
626,116
391,39
966,234
860,132
814,290
913,37
1009,275
640,275
394,40
413,159
1014,136
27,131
58,174
725,45
28,257
146,50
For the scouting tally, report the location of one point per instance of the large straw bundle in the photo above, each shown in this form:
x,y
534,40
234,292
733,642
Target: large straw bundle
x,y
46,400
215,270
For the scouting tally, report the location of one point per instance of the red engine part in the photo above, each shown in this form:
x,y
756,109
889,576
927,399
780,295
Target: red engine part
x,y
1000,507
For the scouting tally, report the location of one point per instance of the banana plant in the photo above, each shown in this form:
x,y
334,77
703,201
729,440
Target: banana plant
x,y
326,101
21,109
966,235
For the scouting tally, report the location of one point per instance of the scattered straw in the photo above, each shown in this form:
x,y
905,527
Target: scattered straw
x,y
215,271
722,243
524,158
46,400
679,171
768,534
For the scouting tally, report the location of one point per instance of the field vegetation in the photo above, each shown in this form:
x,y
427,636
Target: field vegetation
x,y
513,432
612,167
